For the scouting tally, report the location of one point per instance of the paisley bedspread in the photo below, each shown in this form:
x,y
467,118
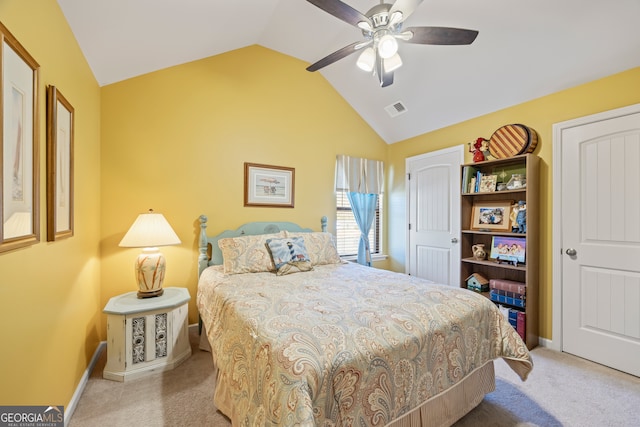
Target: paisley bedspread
x,y
343,344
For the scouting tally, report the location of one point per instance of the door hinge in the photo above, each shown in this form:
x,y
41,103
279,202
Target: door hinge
x,y
409,226
409,176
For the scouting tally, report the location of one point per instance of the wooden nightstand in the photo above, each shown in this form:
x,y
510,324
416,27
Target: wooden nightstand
x,y
146,335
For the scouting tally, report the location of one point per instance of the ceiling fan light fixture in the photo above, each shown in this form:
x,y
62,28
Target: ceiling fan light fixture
x,y
387,46
365,26
366,60
405,35
393,63
395,18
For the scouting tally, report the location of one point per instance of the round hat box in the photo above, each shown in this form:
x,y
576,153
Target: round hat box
x,y
511,140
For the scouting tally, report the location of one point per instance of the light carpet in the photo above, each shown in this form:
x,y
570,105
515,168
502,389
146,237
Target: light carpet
x,y
562,390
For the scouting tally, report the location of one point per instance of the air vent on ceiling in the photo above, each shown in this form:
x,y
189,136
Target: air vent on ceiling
x,y
396,109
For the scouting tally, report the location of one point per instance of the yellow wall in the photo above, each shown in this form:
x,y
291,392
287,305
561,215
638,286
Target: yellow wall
x,y
50,307
605,94
176,141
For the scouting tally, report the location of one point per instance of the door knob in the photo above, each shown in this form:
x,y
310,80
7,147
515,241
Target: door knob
x,y
571,252
454,240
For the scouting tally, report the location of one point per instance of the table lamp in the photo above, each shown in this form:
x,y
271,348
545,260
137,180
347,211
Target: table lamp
x,y
149,231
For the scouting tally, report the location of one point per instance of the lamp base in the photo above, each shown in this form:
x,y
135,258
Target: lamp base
x,y
150,268
150,294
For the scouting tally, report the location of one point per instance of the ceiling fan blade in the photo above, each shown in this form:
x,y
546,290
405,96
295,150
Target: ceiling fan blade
x,y
441,35
341,11
405,6
337,55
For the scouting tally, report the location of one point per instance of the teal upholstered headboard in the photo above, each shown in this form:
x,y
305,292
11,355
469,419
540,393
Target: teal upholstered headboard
x,y
210,253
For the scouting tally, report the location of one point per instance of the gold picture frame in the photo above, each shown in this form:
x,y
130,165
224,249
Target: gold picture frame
x,y
491,216
60,184
269,186
20,201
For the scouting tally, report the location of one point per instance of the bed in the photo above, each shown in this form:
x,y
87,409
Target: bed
x,y
334,343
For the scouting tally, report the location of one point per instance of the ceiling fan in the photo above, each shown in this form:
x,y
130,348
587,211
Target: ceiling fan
x,y
382,28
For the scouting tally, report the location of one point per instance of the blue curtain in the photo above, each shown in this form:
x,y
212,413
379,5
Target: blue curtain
x,y
364,211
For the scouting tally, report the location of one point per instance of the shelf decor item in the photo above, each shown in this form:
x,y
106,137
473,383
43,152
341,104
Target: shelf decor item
x,y
478,251
491,216
512,140
516,182
480,149
477,282
509,249
149,231
488,183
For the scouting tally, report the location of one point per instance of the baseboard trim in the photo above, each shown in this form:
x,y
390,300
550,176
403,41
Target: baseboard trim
x,y
71,407
547,343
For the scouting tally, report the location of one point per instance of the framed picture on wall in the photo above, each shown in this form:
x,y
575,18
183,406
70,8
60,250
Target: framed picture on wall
x,y
60,116
268,186
19,204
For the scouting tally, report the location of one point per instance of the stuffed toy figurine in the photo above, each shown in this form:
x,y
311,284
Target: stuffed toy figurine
x,y
521,217
480,146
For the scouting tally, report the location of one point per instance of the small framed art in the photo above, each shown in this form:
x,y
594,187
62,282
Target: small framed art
x,y
59,165
488,183
491,216
510,249
268,186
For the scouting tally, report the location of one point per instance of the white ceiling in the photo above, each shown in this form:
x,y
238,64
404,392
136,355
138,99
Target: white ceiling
x,y
525,49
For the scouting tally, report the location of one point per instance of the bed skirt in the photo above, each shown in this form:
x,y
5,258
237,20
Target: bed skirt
x,y
451,405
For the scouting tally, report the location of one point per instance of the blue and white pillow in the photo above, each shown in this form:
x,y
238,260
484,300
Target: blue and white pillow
x,y
289,255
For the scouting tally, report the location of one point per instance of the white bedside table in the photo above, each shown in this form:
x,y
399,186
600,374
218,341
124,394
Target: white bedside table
x,y
146,335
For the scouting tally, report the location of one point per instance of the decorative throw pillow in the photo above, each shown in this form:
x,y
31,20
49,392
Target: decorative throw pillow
x,y
247,254
289,255
320,246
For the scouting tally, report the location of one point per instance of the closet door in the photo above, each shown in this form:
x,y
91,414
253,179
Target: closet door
x,y
601,241
433,211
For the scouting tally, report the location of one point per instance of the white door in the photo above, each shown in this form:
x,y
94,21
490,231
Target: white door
x,y
433,207
600,197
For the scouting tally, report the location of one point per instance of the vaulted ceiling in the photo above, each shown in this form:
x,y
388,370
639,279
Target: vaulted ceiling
x,y
525,49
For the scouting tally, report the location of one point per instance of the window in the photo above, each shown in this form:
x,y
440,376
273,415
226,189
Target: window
x,y
347,232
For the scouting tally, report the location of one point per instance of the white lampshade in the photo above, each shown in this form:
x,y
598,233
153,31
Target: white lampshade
x,y
149,231
366,59
387,46
393,63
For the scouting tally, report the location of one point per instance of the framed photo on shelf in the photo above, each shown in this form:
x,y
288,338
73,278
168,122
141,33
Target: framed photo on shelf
x,y
491,216
60,116
510,249
19,201
488,183
268,186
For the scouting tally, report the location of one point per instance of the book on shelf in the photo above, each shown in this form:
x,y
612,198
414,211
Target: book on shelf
x,y
507,293
469,174
521,325
495,296
508,285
